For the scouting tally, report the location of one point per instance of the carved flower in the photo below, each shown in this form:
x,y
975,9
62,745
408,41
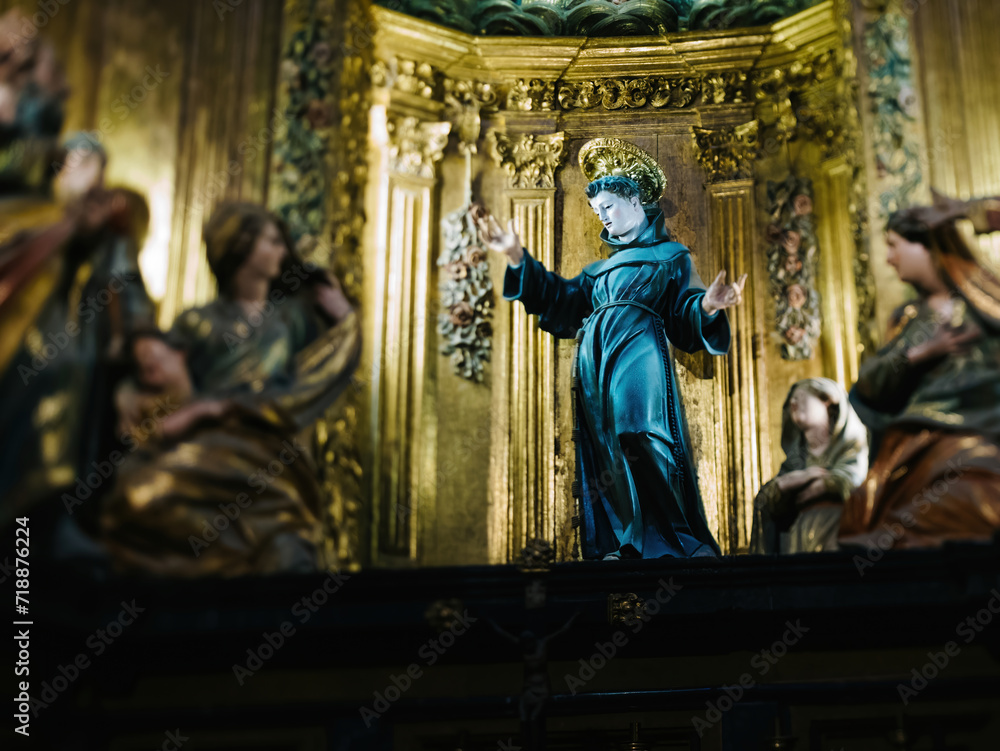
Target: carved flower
x,y
796,295
290,73
321,53
475,256
457,270
318,114
802,204
462,314
792,241
792,265
907,100
794,334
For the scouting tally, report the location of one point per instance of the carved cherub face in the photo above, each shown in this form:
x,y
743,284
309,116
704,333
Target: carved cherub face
x,y
807,410
622,217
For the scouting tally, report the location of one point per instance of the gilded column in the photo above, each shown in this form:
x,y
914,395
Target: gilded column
x,y
727,156
840,305
525,503
402,409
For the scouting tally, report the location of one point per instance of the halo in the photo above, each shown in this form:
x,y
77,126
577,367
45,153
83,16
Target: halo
x,y
612,156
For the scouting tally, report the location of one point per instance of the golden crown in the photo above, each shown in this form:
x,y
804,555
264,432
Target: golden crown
x,y
612,156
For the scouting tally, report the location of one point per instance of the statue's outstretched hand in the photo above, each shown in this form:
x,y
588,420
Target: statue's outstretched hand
x,y
720,295
492,235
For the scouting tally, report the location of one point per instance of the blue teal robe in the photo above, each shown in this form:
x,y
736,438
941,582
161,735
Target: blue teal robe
x,y
637,487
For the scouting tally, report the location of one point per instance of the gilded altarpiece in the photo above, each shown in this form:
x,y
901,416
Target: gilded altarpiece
x,y
480,469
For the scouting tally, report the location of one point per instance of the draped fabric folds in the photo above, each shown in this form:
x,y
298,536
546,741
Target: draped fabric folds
x,y
240,495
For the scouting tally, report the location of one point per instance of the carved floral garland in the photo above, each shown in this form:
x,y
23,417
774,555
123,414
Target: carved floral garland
x,y
467,294
792,259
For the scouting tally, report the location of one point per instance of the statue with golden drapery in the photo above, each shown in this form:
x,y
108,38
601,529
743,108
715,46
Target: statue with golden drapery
x,y
69,290
933,392
226,486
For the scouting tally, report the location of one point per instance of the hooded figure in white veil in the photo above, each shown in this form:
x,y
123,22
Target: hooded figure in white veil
x,y
826,457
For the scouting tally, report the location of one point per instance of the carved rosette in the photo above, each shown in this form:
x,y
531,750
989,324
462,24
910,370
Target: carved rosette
x,y
792,262
530,161
415,147
466,295
727,154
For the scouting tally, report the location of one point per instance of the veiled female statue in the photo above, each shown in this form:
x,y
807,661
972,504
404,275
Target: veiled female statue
x,y
826,457
225,486
934,390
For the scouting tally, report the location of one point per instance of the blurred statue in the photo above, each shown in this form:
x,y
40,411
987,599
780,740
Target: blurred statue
x,y
70,290
934,393
224,486
826,457
638,490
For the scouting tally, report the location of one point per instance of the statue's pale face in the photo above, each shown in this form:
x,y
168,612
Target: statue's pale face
x,y
160,366
623,218
911,260
808,411
268,252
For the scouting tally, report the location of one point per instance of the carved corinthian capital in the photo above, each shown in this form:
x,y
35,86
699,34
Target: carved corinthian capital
x,y
727,154
415,147
530,161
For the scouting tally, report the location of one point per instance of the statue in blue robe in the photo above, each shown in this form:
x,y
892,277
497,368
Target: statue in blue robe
x,y
637,486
